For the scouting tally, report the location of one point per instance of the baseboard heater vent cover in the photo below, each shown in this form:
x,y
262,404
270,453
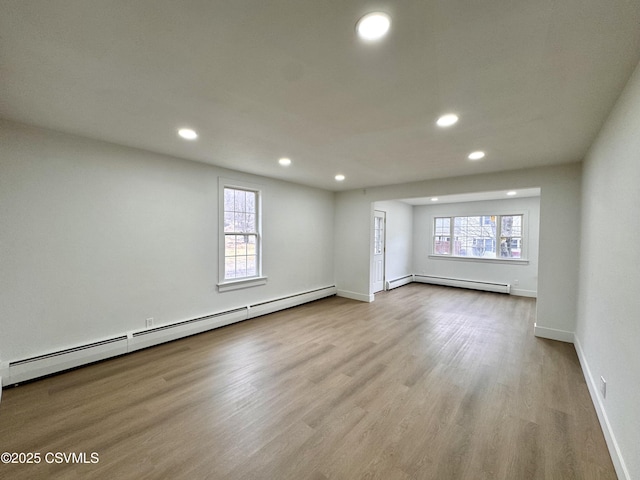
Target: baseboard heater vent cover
x,y
54,362
398,282
42,365
460,283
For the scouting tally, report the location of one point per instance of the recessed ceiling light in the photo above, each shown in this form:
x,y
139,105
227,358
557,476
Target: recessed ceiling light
x,y
285,162
187,134
339,177
373,26
476,155
447,120
434,199
512,193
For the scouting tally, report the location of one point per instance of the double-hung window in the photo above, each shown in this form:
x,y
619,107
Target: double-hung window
x,y
241,240
479,236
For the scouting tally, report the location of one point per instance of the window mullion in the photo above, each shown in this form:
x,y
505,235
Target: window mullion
x,y
498,235
451,230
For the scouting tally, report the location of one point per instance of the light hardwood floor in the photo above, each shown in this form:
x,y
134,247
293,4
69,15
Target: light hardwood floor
x,y
427,382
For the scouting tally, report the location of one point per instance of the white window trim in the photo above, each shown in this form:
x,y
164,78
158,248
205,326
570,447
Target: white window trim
x,y
238,283
230,285
519,261
524,259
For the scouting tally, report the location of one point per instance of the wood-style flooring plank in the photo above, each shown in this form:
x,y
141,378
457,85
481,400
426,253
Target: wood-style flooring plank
x,y
426,382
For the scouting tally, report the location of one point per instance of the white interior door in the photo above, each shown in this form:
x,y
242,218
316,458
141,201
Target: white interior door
x,y
379,222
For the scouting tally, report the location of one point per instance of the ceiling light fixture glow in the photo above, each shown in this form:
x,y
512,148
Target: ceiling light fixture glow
x,y
373,26
434,199
476,155
447,120
512,193
339,177
187,134
285,162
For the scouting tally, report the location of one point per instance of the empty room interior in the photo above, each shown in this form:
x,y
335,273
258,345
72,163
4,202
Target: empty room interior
x,y
320,239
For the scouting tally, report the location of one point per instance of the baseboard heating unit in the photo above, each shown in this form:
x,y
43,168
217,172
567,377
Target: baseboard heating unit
x,y
54,362
460,283
166,333
398,282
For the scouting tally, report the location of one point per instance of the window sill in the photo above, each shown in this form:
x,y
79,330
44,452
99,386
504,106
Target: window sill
x,y
244,283
516,261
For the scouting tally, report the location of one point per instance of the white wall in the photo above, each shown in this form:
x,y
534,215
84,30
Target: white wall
x,y
608,325
353,231
524,275
399,239
95,238
558,243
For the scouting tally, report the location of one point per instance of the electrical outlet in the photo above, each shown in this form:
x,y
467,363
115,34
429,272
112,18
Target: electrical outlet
x,y
516,282
149,322
603,387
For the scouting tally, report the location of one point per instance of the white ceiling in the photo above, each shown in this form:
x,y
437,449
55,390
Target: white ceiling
x,y
532,81
473,197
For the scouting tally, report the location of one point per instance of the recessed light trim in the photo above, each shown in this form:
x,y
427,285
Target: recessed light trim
x,y
511,193
285,162
339,177
373,26
447,120
188,133
476,155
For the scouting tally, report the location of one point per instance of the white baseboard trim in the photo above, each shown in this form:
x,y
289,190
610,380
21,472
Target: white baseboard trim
x,y
4,371
553,334
362,297
37,366
596,398
524,293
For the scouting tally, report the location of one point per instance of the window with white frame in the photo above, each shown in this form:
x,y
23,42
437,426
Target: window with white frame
x,y
479,236
240,252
